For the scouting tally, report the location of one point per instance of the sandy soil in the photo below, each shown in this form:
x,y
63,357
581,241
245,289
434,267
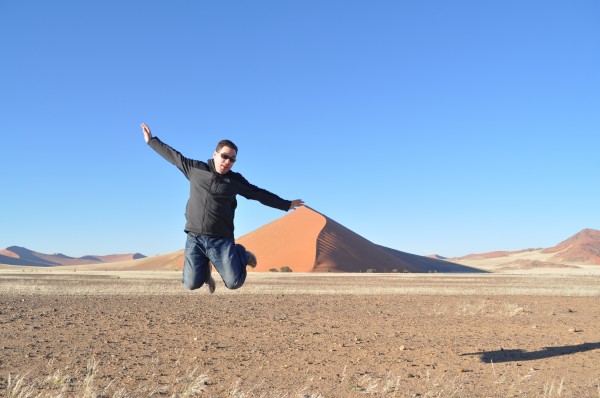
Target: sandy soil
x,y
140,334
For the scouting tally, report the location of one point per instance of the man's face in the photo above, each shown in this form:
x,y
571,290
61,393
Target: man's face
x,y
223,165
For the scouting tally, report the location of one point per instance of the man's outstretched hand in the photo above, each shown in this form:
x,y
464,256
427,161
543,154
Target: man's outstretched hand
x,y
296,203
147,133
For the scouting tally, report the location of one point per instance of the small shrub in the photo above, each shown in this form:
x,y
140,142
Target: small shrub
x,y
371,271
273,270
285,268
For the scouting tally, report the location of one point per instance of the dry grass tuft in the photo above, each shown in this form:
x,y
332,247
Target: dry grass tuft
x,y
62,385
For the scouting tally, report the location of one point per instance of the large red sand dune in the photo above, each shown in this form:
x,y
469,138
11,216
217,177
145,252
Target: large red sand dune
x,y
308,241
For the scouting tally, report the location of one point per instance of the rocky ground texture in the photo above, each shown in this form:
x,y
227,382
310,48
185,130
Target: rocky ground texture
x,y
92,336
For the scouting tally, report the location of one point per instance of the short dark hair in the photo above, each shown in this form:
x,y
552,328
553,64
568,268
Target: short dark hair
x,y
228,143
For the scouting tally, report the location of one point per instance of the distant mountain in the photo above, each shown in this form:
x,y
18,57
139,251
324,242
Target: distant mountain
x,y
16,255
583,248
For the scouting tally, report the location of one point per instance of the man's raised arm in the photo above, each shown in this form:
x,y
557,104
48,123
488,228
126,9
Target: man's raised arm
x,y
171,155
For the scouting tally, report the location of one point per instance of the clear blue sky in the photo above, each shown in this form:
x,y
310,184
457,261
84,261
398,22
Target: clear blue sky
x,y
448,127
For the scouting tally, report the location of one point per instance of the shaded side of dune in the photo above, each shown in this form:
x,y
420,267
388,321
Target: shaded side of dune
x,y
427,264
341,250
30,262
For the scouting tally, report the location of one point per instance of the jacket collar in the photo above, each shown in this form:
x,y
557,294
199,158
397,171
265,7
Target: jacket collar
x,y
211,166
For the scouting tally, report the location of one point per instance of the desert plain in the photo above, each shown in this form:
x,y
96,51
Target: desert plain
x,y
140,334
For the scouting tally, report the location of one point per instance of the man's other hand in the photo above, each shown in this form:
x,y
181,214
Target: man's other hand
x,y
296,203
147,133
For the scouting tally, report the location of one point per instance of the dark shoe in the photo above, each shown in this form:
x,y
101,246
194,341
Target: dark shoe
x,y
211,285
251,260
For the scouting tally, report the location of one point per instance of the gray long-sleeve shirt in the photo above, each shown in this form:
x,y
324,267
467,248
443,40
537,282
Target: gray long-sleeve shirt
x,y
211,206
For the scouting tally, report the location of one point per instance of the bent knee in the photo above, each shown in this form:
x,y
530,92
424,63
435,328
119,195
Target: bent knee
x,y
233,286
191,287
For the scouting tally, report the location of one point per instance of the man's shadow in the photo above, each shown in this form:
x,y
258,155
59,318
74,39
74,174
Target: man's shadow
x,y
521,355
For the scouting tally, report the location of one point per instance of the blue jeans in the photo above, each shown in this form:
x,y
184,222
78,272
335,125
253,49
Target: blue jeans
x,y
228,258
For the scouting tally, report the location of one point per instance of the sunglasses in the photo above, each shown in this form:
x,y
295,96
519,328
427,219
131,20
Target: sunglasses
x,y
225,156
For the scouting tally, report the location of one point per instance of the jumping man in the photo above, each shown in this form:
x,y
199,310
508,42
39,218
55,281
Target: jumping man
x,y
210,212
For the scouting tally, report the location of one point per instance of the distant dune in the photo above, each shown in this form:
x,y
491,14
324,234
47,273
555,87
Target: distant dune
x,y
582,250
162,262
583,247
15,255
494,254
111,258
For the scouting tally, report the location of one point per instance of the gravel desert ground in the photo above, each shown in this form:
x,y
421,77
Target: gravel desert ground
x,y
140,334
